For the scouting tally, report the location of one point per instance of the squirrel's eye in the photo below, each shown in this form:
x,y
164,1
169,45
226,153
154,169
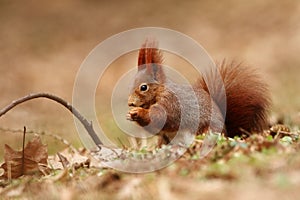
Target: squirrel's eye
x,y
144,87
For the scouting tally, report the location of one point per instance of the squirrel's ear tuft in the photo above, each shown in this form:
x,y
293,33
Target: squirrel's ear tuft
x,y
150,57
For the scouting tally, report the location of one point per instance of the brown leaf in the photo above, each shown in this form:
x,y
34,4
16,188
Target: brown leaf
x,y
35,154
69,158
36,151
64,161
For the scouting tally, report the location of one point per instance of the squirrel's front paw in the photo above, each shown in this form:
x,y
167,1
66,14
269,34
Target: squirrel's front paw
x,y
135,113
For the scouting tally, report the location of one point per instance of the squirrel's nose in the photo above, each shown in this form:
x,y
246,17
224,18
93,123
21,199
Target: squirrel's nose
x,y
131,104
132,101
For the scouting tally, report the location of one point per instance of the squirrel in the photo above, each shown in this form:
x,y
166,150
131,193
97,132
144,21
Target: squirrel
x,y
154,102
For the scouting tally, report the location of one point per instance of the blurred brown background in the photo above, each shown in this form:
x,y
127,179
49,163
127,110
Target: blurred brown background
x,y
43,43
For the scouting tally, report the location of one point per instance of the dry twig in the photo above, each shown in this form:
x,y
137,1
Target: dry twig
x,y
87,125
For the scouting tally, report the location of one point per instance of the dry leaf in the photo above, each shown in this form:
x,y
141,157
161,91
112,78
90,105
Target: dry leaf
x,y
15,165
64,161
69,158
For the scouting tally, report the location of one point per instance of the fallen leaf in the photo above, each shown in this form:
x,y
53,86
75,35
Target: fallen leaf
x,y
64,161
16,165
69,158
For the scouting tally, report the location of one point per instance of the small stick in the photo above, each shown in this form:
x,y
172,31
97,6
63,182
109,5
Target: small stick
x,y
23,151
87,125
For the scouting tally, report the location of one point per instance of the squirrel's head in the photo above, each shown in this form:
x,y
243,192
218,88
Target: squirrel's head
x,y
150,78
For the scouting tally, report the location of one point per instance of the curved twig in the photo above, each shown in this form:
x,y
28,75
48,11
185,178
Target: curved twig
x,y
87,125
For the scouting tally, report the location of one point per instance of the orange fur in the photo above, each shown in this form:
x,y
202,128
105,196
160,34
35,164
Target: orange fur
x,y
247,98
246,95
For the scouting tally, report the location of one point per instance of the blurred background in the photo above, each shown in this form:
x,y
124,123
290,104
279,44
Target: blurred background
x,y
43,43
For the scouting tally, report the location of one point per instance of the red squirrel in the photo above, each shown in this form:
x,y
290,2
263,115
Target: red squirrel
x,y
155,105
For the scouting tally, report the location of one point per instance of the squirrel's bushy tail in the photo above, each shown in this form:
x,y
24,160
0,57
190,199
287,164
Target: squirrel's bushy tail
x,y
247,98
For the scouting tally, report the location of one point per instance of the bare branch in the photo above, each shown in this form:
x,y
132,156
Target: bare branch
x,y
87,125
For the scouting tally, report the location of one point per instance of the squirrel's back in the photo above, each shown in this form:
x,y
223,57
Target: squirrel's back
x,y
247,98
